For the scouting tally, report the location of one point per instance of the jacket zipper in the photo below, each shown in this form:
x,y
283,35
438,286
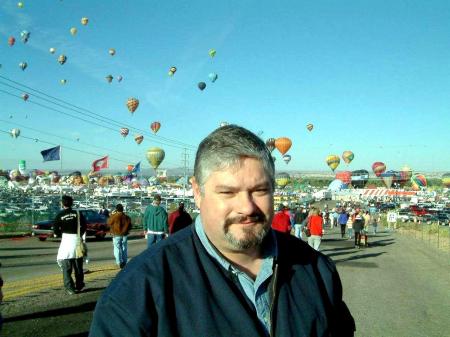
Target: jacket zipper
x,y
274,298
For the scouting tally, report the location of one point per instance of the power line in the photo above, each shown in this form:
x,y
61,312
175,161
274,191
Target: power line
x,y
93,115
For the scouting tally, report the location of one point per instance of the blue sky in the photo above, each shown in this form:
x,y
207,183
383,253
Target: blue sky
x,y
372,76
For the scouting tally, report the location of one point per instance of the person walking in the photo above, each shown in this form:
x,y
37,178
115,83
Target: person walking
x,y
342,220
71,225
315,226
230,274
351,217
358,226
155,221
299,217
120,225
281,220
179,219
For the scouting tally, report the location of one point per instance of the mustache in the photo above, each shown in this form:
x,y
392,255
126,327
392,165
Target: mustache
x,y
257,217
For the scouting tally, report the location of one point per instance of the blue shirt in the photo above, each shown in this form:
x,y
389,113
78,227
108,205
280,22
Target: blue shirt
x,y
257,290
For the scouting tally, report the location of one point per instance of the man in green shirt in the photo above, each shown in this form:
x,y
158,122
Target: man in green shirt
x,y
155,222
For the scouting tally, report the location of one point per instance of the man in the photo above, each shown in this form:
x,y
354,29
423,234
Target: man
x,y
342,220
155,222
230,274
120,225
299,216
1,300
281,221
179,219
66,224
104,211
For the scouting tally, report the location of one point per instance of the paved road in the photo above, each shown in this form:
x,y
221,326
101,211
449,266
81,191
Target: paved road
x,y
397,287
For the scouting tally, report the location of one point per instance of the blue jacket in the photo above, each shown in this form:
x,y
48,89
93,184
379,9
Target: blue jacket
x,y
175,288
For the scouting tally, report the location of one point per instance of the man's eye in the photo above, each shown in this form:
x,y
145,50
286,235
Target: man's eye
x,y
226,192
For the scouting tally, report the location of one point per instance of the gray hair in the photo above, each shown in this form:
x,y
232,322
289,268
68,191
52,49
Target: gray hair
x,y
225,147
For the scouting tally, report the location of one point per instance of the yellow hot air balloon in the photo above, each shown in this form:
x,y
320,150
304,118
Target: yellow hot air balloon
x,y
73,31
155,156
84,21
282,179
348,156
310,127
333,161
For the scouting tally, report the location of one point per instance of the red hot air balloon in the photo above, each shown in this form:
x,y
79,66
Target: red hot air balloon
x,y
344,176
283,144
155,126
11,41
378,168
124,132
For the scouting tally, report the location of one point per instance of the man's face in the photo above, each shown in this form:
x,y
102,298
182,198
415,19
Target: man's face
x,y
236,206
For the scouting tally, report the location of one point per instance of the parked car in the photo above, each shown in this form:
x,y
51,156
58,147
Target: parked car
x,y
96,226
443,218
427,218
404,215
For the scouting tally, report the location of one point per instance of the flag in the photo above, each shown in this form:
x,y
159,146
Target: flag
x,y
51,154
99,164
136,168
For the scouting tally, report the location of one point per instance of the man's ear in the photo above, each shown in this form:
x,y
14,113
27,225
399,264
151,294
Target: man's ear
x,y
197,192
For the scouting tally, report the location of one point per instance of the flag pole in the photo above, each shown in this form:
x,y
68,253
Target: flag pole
x,y
60,170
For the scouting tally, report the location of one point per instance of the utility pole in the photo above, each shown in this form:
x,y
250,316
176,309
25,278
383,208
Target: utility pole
x,y
185,163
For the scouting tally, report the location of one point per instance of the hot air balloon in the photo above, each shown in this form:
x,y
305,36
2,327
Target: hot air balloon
x,y
155,156
172,71
287,158
378,168
348,156
11,41
336,185
84,21
360,178
52,50
418,181
23,65
344,176
155,126
446,179
388,178
130,167
222,124
213,77
25,96
22,166
270,143
212,52
20,4
24,36
63,81
283,144
405,174
201,85
333,161
124,132
282,179
109,78
310,127
73,31
132,104
112,51
119,78
62,59
138,139
15,133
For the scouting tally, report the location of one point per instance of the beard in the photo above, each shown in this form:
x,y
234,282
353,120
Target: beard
x,y
253,236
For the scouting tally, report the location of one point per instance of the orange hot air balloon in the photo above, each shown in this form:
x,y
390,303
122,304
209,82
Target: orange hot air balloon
x,y
11,41
130,167
132,104
283,144
155,126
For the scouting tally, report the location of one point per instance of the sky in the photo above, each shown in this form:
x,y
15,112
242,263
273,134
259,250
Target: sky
x,y
372,77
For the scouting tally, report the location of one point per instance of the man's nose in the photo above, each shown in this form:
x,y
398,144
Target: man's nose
x,y
245,203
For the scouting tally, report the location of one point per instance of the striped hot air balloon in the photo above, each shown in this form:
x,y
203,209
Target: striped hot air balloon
x,y
132,104
418,181
333,161
378,168
155,126
348,156
124,132
138,139
344,176
155,156
283,144
282,179
310,127
270,143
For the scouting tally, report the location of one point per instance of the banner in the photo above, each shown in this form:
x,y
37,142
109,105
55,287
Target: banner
x,y
51,154
100,164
